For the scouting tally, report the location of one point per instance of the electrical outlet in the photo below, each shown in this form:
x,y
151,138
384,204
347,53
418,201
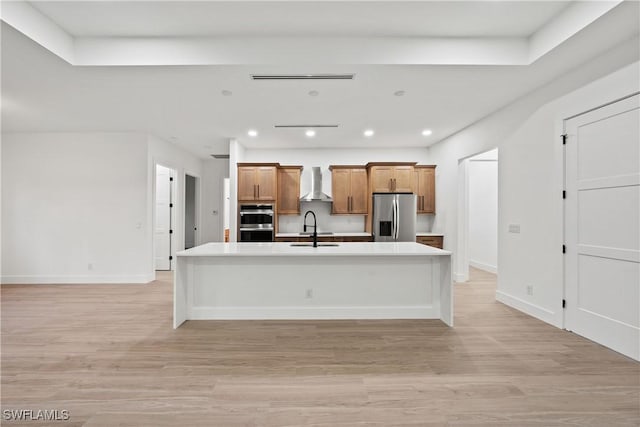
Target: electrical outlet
x,y
514,228
89,266
529,289
309,293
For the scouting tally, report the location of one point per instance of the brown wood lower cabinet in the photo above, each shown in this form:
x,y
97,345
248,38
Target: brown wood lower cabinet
x,y
435,241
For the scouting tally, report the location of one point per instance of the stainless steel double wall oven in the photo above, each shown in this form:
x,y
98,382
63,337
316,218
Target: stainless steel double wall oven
x,y
256,223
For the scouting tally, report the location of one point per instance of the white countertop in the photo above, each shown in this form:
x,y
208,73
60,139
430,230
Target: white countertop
x,y
285,249
428,234
321,234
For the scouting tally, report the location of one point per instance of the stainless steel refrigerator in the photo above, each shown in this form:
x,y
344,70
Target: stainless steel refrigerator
x,y
394,217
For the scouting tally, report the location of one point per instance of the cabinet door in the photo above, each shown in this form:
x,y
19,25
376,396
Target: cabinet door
x,y
426,190
289,191
359,193
404,179
340,190
381,178
246,183
266,181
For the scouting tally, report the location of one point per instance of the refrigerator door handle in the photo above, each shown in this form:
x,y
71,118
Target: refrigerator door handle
x,y
397,215
395,218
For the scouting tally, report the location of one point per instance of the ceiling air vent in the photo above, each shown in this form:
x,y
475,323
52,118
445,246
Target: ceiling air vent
x,y
220,156
302,76
305,126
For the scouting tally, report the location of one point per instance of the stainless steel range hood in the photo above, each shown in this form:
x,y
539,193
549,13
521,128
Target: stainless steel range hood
x,y
316,188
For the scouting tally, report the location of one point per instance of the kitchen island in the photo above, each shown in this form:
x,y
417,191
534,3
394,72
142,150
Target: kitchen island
x,y
396,280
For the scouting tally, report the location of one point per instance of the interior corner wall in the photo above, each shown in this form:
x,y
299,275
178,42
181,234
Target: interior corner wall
x,y
167,154
213,175
236,155
530,175
74,208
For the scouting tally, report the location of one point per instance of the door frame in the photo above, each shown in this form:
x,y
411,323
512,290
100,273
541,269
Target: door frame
x,y
198,193
561,130
462,259
175,199
566,271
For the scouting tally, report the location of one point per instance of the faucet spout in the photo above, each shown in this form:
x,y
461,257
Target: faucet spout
x,y
315,227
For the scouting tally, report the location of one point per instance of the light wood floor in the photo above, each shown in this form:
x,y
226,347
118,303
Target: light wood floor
x,y
108,355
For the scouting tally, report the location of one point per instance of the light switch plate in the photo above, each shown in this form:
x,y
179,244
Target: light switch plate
x,y
514,228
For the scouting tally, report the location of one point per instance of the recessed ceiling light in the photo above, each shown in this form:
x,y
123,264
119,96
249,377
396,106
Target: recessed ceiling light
x,y
252,133
314,93
399,93
227,92
426,132
369,132
310,133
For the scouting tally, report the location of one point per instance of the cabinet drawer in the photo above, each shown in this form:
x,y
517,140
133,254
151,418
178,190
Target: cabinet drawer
x,y
435,241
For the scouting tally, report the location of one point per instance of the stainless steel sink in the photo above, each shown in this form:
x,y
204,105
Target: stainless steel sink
x,y
311,244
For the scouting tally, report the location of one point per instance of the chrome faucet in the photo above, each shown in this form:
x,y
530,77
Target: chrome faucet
x,y
315,227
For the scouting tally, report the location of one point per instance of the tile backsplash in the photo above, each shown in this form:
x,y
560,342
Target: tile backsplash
x,y
335,223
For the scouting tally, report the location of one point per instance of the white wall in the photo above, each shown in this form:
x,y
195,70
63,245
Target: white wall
x,y
74,199
530,176
323,158
489,133
531,180
236,155
482,174
78,207
214,173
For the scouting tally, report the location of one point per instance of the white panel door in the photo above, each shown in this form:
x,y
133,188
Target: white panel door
x,y
162,232
602,223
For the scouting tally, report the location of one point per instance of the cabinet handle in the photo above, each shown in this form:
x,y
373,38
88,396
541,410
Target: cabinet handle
x,y
422,202
350,203
254,191
258,191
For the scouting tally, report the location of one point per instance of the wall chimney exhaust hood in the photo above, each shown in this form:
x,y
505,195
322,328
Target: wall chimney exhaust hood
x,y
316,193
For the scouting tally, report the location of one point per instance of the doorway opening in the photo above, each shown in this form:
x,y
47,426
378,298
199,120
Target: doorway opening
x,y
478,221
164,218
191,188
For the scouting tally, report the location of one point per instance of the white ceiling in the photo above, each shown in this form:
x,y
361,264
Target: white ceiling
x,y
310,18
184,104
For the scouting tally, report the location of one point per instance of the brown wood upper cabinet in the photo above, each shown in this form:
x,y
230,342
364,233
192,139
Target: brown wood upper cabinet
x,y
426,189
289,190
257,181
391,177
349,189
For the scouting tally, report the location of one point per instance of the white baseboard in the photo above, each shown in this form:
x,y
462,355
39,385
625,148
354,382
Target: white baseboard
x,y
533,310
460,277
287,313
93,280
482,266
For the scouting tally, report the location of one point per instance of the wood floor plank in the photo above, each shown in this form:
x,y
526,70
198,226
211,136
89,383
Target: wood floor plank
x,y
108,355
